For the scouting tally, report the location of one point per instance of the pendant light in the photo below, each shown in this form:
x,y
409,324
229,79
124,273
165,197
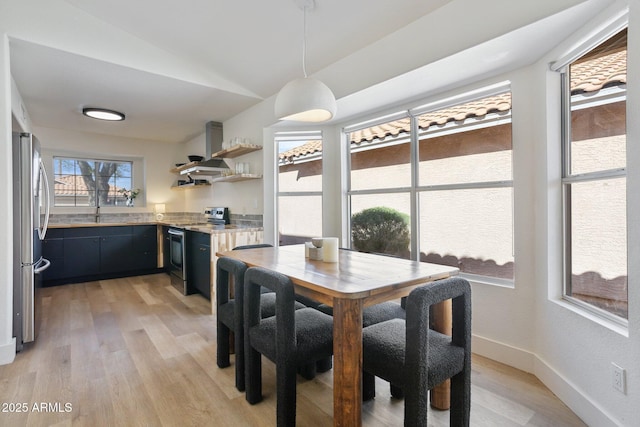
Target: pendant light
x,y
305,99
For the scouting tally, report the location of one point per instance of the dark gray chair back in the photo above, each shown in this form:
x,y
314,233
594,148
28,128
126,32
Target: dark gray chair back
x,y
415,359
292,339
229,314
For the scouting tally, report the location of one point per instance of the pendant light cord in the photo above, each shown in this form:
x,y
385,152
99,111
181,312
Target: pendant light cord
x,y
304,41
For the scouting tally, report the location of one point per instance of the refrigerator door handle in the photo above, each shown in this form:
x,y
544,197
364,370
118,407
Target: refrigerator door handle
x,y
38,268
42,232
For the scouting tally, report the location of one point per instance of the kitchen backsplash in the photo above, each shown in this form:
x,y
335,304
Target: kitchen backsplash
x,y
169,217
246,220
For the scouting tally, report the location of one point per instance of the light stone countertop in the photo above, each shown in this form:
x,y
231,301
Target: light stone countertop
x,y
99,224
199,227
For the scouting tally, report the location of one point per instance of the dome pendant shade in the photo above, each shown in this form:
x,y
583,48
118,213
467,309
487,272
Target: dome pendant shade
x,y
305,100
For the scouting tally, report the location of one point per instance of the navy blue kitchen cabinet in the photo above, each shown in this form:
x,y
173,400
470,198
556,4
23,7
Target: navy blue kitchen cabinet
x,y
166,252
93,253
53,250
145,247
199,262
116,250
81,256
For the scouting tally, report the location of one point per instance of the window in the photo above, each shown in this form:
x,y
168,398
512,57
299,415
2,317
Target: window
x,y
380,187
446,170
91,182
466,188
299,202
594,178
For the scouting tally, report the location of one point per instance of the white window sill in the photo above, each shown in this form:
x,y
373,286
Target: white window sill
x,y
486,280
620,327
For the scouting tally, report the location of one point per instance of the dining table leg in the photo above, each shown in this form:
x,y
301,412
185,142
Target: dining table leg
x,y
441,321
347,362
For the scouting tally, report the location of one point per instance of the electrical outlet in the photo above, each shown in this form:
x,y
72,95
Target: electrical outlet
x,y
618,378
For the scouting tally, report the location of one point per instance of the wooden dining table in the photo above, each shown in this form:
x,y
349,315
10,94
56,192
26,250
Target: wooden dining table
x,y
356,281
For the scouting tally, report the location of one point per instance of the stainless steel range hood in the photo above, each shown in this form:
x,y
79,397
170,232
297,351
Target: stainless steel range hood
x,y
213,136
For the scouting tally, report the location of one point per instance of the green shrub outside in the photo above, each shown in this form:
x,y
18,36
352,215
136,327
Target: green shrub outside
x,y
381,230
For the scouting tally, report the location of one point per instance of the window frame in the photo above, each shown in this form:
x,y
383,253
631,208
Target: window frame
x,y
410,190
568,179
293,136
75,157
415,189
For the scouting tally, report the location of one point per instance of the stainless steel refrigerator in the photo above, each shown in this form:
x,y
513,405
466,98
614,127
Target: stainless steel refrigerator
x,y
30,219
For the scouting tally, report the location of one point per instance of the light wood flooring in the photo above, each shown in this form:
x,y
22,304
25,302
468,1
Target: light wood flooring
x,y
134,352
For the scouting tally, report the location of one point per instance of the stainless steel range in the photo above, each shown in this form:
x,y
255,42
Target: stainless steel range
x,y
177,260
217,216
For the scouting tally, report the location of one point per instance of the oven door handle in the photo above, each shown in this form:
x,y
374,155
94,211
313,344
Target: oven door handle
x,y
176,232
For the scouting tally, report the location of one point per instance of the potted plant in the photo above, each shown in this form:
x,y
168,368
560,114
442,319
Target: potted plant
x,y
130,195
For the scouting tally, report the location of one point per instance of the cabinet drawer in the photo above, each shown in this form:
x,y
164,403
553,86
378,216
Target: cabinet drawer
x,y
145,231
198,238
55,233
81,232
124,230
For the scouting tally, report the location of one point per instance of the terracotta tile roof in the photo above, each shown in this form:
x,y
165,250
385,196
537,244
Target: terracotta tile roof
x,y
589,75
600,72
305,149
476,108
69,185
380,131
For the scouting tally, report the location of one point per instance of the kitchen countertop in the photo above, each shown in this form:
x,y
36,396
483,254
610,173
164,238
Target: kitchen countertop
x,y
191,226
213,229
98,224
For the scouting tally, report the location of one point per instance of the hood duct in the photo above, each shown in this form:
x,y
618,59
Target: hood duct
x,y
213,144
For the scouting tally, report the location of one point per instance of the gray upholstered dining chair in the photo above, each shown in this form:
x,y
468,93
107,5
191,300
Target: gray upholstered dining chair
x,y
415,358
268,309
290,339
230,314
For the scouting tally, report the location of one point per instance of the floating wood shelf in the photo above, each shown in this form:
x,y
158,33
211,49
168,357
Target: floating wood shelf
x,y
188,186
183,167
236,150
237,177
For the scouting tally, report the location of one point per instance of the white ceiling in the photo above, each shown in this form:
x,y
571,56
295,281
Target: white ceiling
x,y
172,66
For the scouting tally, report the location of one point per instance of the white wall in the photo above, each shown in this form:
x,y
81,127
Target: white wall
x,y
156,158
7,342
574,352
242,197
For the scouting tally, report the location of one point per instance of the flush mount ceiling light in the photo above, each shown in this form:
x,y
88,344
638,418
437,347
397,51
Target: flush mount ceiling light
x,y
103,114
305,99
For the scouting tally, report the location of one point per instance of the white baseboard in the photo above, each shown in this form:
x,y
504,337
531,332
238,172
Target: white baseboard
x,y
509,355
8,352
590,412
